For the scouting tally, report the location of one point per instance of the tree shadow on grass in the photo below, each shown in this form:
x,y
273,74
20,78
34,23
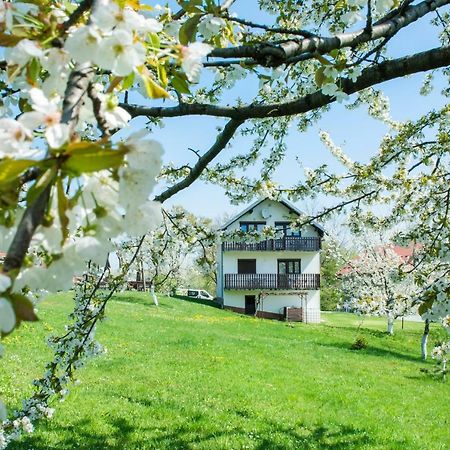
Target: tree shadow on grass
x,y
197,432
198,301
177,427
373,351
144,300
364,330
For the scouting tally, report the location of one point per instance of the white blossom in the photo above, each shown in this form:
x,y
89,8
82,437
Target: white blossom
x,y
7,316
120,53
143,219
16,139
115,116
333,90
192,59
47,113
23,52
108,15
83,44
383,5
210,26
5,282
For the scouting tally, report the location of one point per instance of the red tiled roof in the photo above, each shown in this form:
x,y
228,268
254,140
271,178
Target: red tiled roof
x,y
406,253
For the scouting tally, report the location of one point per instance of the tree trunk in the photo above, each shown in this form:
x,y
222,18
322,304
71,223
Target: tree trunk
x,y
426,332
154,297
390,324
144,287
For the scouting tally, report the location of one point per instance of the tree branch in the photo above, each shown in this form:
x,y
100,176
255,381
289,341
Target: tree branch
x,y
97,107
76,88
84,6
222,140
273,54
388,70
270,29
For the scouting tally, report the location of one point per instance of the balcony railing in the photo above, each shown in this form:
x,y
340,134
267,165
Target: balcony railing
x,y
289,243
272,281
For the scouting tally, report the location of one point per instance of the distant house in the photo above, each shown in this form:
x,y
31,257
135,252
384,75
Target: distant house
x,y
406,254
2,257
275,278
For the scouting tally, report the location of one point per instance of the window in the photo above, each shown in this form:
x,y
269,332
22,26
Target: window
x,y
252,226
285,227
246,265
287,266
192,293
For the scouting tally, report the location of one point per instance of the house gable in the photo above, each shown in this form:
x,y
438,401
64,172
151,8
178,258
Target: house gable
x,y
269,212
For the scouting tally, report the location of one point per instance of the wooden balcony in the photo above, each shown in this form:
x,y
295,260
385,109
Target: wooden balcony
x,y
272,281
286,243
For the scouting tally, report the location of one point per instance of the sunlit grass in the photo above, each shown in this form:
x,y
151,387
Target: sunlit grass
x,y
185,376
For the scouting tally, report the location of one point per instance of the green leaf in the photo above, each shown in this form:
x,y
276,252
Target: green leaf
x,y
320,76
188,30
154,40
86,157
425,306
33,71
180,83
190,6
128,81
162,74
10,169
63,206
334,53
41,184
23,308
153,89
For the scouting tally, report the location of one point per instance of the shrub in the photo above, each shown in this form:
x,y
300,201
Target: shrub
x,y
359,344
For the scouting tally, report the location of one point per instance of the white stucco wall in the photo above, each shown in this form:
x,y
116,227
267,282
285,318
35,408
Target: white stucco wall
x,y
276,303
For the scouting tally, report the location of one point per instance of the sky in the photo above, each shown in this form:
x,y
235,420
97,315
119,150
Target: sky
x,y
357,133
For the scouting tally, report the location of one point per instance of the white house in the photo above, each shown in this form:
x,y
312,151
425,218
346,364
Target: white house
x,y
273,278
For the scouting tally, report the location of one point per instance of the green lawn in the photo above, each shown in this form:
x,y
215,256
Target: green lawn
x,y
188,376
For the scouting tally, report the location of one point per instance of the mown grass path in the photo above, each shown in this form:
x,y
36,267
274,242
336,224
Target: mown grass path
x,y
187,376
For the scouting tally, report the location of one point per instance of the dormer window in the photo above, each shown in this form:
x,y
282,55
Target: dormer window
x,y
285,227
252,226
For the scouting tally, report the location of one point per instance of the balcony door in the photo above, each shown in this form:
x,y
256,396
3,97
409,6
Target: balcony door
x,y
287,269
246,269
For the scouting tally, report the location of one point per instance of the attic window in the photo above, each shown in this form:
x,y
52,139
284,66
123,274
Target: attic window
x,y
285,227
251,226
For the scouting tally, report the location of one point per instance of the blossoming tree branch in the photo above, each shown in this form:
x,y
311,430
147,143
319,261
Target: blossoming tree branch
x,y
74,73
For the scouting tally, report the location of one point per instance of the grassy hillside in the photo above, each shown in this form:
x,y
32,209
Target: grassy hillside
x,y
187,376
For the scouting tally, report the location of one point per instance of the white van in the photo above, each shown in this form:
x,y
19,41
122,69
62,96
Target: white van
x,y
200,294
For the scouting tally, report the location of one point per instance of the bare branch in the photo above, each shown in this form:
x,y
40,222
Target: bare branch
x,y
388,70
222,140
274,54
97,107
270,29
84,6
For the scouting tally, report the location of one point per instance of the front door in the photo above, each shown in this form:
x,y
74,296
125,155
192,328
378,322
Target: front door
x,y
250,305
